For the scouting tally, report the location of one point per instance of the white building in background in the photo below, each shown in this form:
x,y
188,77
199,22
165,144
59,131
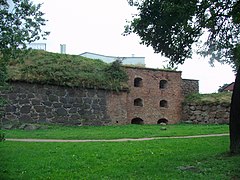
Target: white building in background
x,y
108,59
63,48
38,46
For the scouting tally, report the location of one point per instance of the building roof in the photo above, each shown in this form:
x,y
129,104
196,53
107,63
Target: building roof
x,y
227,87
109,59
82,54
151,69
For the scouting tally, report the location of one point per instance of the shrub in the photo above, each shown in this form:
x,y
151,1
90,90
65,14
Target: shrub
x,y
2,136
115,71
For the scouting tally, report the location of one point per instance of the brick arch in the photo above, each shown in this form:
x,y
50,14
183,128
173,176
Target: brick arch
x,y
162,120
137,121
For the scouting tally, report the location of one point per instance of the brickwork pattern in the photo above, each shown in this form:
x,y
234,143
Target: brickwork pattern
x,y
151,95
117,107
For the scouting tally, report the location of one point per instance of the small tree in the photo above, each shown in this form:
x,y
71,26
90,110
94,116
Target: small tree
x,y
20,24
115,71
171,27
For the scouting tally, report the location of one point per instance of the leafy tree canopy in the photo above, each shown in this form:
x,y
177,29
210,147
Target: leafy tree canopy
x,y
20,24
171,27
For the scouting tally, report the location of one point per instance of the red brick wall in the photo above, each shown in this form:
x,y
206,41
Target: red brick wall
x,y
116,107
151,95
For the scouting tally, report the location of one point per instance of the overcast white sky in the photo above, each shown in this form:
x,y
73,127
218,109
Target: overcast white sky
x,y
96,26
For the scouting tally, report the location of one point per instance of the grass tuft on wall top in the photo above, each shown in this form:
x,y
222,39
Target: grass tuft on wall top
x,y
214,98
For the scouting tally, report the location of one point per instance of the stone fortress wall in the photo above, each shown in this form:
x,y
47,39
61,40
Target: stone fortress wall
x,y
154,96
189,86
35,103
206,113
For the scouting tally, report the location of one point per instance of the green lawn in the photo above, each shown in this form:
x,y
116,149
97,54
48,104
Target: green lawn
x,y
156,159
115,132
196,158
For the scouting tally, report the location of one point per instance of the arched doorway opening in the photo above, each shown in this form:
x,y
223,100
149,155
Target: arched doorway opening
x,y
162,120
137,121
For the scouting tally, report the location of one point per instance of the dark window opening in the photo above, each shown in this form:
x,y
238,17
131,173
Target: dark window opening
x,y
138,102
138,82
137,121
163,84
163,120
163,103
117,122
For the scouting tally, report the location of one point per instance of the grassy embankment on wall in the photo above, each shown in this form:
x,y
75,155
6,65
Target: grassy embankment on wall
x,y
66,70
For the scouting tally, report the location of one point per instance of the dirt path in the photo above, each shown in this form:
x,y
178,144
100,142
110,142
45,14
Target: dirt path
x,y
115,140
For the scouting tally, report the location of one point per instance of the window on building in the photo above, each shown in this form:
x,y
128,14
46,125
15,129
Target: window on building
x,y
138,102
163,84
138,82
162,120
137,121
163,103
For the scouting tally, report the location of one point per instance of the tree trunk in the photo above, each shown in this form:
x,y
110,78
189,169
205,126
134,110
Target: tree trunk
x,y
234,124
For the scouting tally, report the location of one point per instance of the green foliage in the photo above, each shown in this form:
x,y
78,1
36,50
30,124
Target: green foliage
x,y
116,73
215,98
235,13
2,101
3,74
20,24
170,67
67,70
2,136
172,27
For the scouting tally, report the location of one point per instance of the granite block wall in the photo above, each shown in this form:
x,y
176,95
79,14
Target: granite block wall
x,y
189,86
206,113
35,103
